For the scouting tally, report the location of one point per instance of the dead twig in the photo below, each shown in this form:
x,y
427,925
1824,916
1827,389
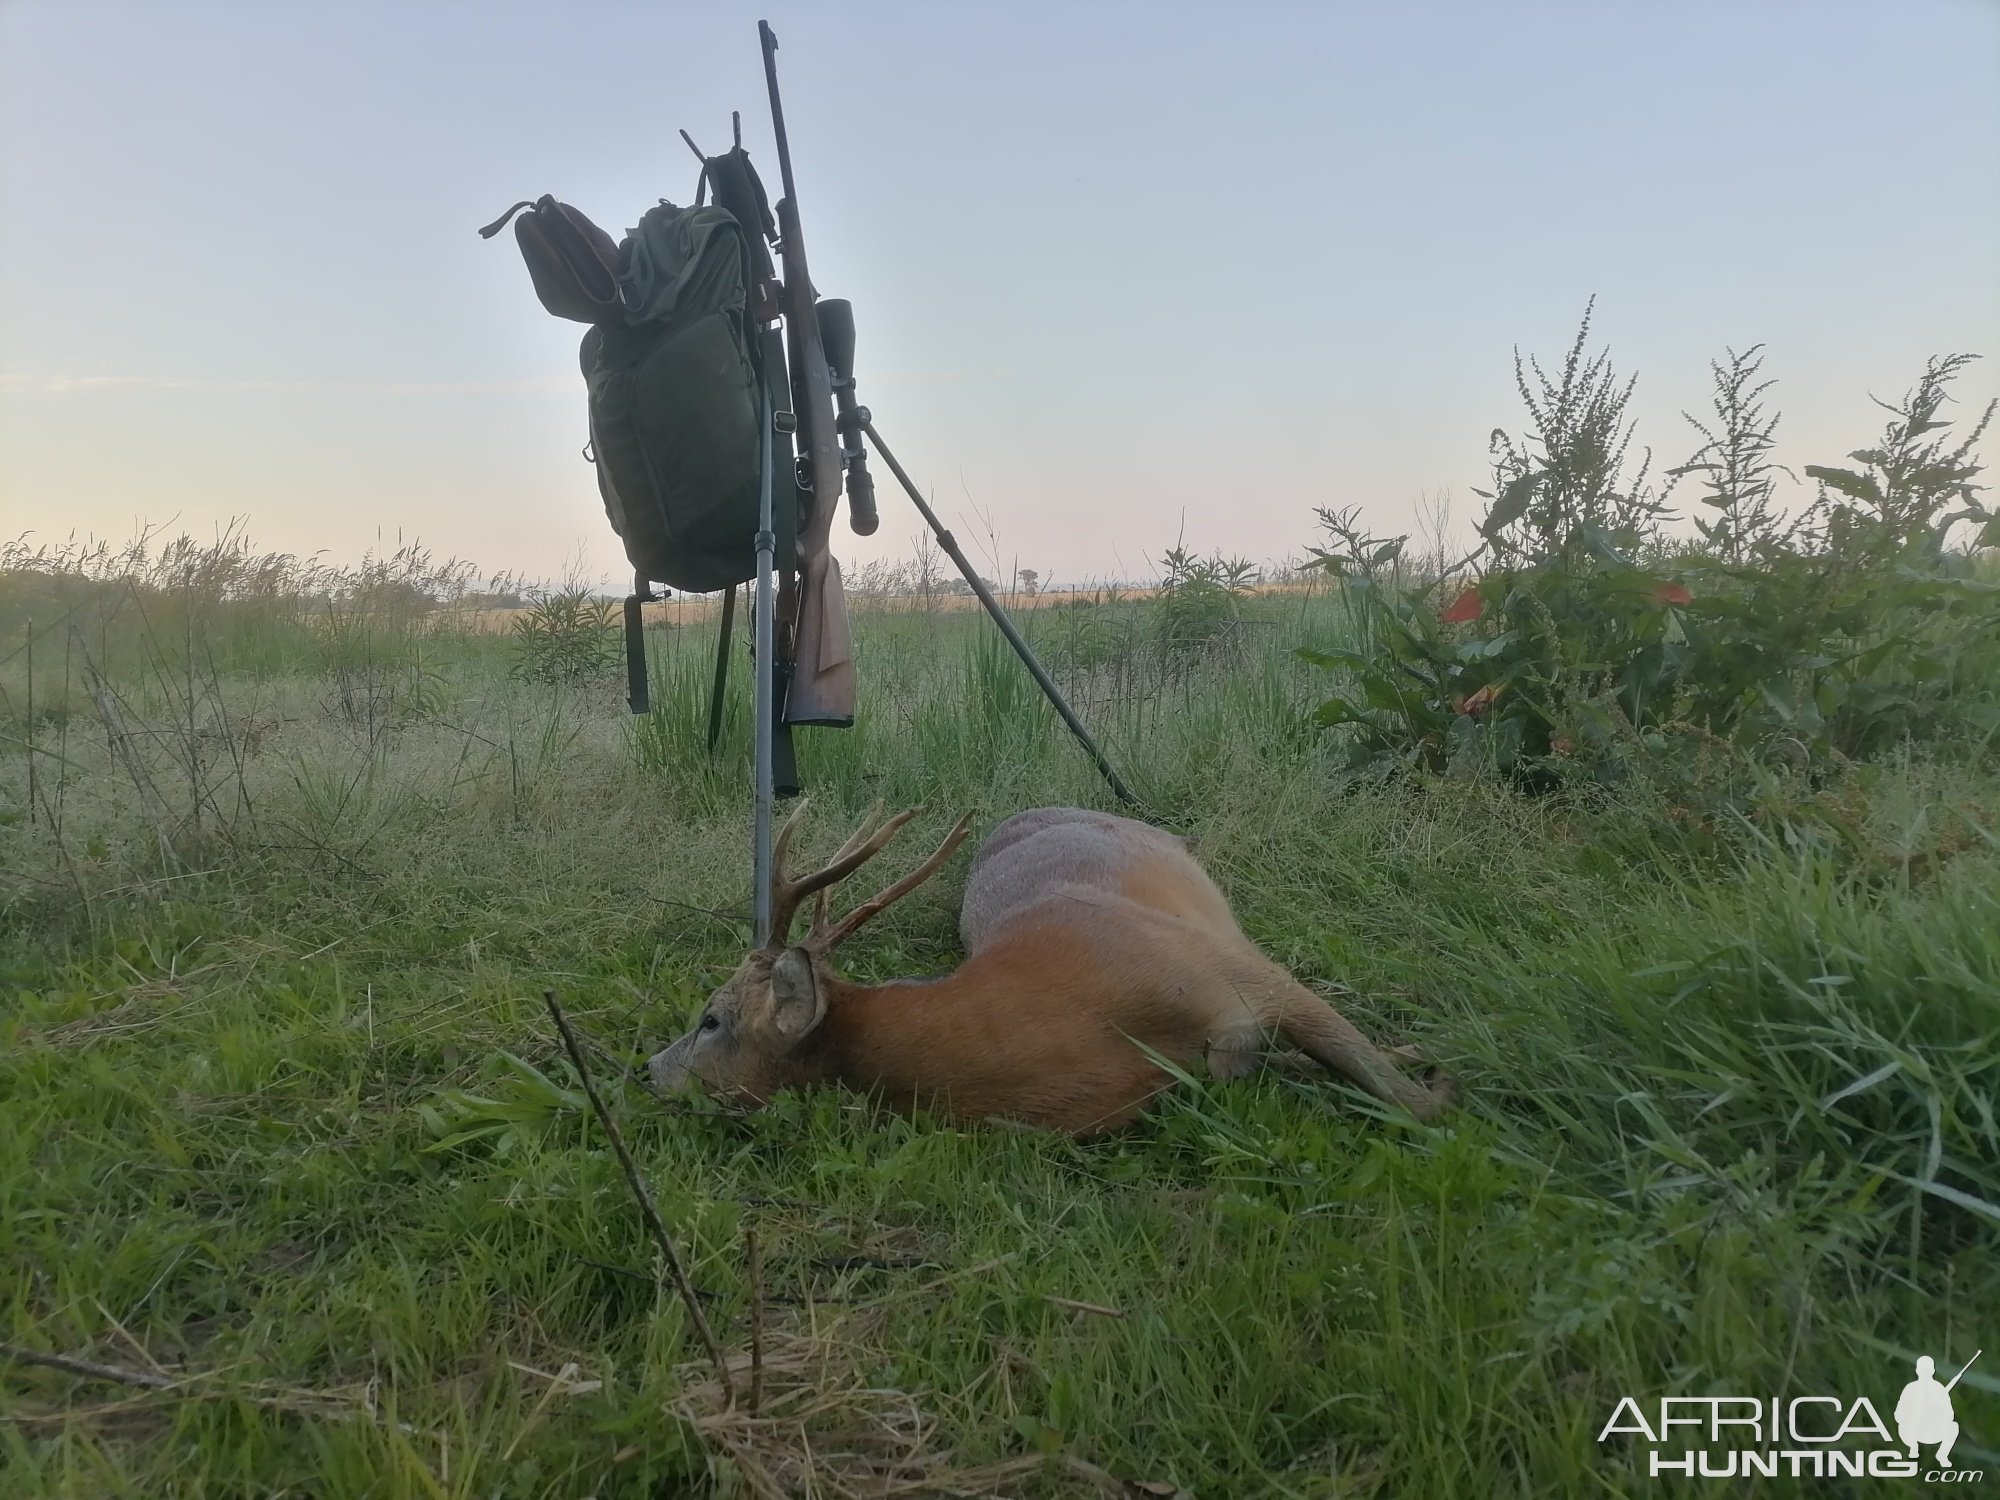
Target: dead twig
x,y
119,740
190,1385
945,1280
90,1369
1093,1308
689,1298
756,1258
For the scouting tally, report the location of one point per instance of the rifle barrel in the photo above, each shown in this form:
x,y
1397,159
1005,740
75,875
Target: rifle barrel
x,y
770,41
817,439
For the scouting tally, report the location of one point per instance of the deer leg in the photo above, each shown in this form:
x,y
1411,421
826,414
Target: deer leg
x,y
1307,1022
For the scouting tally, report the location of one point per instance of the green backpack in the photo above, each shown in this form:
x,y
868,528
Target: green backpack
x,y
677,377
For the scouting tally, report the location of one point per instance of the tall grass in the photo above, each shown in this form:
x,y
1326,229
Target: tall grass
x,y
285,1138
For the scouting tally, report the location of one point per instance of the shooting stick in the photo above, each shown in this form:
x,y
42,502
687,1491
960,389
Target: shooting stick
x,y
993,607
764,635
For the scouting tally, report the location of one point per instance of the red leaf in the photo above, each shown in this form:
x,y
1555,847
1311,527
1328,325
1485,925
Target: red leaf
x,y
1672,593
1467,606
1480,701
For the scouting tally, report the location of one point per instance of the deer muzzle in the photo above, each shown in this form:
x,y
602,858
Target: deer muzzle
x,y
668,1069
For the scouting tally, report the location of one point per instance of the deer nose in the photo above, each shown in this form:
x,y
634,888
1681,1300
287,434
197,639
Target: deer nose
x,y
668,1070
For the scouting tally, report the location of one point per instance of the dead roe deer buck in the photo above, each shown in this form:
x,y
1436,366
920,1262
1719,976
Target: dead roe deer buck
x,y
1089,940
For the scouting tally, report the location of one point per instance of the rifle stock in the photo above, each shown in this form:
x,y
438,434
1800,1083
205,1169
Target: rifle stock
x,y
822,688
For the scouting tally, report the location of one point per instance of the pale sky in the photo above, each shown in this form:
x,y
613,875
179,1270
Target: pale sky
x,y
1121,272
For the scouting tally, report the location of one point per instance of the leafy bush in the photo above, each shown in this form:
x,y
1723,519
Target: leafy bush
x,y
1199,606
1086,632
1578,634
565,639
1858,625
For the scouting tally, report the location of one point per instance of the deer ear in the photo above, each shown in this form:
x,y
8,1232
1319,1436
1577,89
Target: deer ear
x,y
797,1004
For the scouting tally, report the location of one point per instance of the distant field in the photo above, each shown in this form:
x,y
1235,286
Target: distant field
x,y
292,1164
692,609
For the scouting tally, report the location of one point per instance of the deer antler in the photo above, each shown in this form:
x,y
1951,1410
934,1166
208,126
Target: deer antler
x,y
823,939
787,892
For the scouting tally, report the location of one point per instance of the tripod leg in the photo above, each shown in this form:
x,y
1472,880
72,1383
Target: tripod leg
x,y
764,681
721,668
993,607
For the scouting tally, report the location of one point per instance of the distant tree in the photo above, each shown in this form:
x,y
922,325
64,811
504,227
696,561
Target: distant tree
x,y
1030,580
495,599
401,594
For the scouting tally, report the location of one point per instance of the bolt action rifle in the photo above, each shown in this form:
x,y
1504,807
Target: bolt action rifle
x,y
821,687
829,447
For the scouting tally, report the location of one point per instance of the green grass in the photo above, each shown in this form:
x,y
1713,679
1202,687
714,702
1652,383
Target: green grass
x,y
283,1121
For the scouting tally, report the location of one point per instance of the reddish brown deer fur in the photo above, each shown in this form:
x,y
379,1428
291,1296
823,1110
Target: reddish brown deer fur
x,y
1090,939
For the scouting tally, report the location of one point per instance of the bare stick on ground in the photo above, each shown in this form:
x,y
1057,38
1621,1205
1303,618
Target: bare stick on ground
x,y
756,1258
90,1369
675,1266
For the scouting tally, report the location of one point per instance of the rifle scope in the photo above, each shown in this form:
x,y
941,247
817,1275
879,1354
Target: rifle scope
x,y
836,335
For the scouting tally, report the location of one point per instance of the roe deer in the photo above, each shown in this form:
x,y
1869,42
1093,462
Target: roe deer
x,y
1089,939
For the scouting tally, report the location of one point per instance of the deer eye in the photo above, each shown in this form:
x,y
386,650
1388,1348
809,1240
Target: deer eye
x,y
711,1021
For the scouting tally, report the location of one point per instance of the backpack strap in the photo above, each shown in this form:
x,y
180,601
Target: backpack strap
x,y
501,223
636,695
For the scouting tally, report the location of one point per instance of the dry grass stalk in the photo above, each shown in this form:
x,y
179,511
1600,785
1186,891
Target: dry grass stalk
x,y
823,1431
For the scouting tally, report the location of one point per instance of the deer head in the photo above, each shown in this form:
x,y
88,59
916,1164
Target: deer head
x,y
760,1033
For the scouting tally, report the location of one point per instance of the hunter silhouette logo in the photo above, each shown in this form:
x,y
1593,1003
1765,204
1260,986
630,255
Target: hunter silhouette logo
x,y
1800,1437
1923,1412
